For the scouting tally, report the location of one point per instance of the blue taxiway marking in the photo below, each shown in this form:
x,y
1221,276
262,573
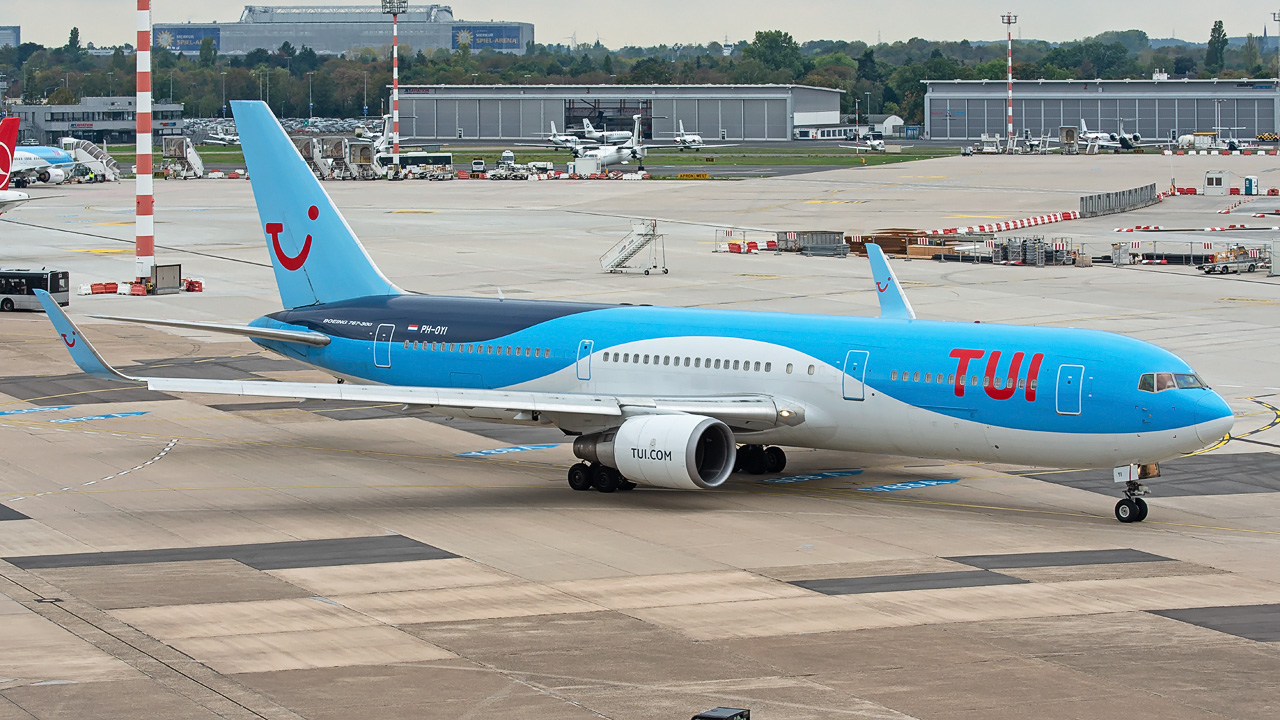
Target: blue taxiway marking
x,y
109,416
35,410
912,485
814,476
505,450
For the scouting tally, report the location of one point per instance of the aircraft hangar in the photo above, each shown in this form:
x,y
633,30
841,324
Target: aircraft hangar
x,y
965,109
726,112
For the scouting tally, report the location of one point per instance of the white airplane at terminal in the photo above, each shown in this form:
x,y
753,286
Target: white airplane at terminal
x,y
691,141
872,145
561,141
606,137
1115,141
610,155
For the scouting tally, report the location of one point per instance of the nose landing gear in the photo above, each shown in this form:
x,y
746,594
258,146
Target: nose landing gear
x,y
1132,508
761,460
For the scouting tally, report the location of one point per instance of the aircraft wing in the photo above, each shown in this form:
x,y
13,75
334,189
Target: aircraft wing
x,y
10,199
750,412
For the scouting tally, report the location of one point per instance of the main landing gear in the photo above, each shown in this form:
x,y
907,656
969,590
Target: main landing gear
x,y
604,479
1132,508
760,460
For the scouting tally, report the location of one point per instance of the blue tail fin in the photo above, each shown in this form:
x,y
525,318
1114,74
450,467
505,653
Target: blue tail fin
x,y
893,301
316,256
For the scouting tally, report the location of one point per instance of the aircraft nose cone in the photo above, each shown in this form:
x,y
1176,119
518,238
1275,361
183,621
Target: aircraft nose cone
x,y
1213,418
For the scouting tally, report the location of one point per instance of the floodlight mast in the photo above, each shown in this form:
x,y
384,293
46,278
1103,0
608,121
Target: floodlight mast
x,y
1009,19
395,8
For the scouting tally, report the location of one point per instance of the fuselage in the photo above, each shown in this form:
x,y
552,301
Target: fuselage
x,y
1037,396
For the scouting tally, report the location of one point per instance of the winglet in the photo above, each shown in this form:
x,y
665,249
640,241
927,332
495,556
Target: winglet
x,y
893,302
81,350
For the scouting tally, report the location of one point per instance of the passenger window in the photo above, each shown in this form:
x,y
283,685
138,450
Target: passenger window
x,y
789,368
928,377
812,369
528,352
537,352
973,380
646,359
1164,381
686,361
986,381
951,379
406,344
893,375
697,362
768,367
666,359
757,367
735,364
635,359
626,357
1033,384
717,363
546,352
1022,383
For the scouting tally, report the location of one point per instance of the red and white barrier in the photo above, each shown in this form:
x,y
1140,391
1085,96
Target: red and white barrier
x,y
1010,224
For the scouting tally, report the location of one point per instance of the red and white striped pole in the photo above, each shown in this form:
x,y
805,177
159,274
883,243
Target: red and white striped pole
x,y
395,8
144,220
395,91
1009,19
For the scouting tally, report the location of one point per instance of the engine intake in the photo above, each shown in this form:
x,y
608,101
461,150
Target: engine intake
x,y
681,452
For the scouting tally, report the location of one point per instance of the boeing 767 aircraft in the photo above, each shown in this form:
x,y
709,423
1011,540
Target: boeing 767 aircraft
x,y
675,397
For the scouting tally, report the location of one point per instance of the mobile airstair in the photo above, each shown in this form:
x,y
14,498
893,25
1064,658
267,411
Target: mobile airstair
x,y
181,159
643,239
92,157
310,150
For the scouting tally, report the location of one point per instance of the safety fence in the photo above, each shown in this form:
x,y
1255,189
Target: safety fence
x,y
1121,201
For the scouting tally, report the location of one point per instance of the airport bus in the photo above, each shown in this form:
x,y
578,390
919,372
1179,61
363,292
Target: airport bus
x,y
18,287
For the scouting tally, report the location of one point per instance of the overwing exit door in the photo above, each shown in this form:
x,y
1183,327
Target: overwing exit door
x,y
855,375
382,345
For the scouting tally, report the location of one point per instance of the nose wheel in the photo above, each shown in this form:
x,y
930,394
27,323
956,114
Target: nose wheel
x,y
1132,508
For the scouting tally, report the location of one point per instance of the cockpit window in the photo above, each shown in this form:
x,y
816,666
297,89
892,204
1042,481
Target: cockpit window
x,y
1187,381
1159,382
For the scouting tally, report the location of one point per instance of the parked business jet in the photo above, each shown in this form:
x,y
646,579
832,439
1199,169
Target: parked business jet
x,y
676,398
9,199
561,141
606,137
691,141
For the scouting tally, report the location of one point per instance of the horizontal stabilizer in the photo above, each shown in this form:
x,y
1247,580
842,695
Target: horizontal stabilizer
x,y
893,301
303,337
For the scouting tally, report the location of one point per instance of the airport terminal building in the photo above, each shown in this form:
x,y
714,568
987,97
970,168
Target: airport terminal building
x,y
96,119
716,112
965,109
336,29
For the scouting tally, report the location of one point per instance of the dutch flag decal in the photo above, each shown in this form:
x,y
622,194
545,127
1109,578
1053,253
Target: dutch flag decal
x,y
413,328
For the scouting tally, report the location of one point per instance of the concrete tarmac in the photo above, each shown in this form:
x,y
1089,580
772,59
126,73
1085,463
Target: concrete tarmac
x,y
195,556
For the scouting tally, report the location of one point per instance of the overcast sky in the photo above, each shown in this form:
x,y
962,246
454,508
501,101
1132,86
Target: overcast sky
x,y
619,23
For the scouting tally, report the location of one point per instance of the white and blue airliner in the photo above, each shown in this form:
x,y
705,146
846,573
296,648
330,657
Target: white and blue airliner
x,y
681,398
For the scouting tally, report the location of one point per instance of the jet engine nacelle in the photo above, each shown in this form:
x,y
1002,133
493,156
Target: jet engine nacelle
x,y
1136,137
681,452
54,176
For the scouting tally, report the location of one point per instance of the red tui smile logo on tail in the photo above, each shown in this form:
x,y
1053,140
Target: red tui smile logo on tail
x,y
297,261
69,342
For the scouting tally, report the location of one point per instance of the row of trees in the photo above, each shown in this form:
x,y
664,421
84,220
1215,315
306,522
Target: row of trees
x,y
888,75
